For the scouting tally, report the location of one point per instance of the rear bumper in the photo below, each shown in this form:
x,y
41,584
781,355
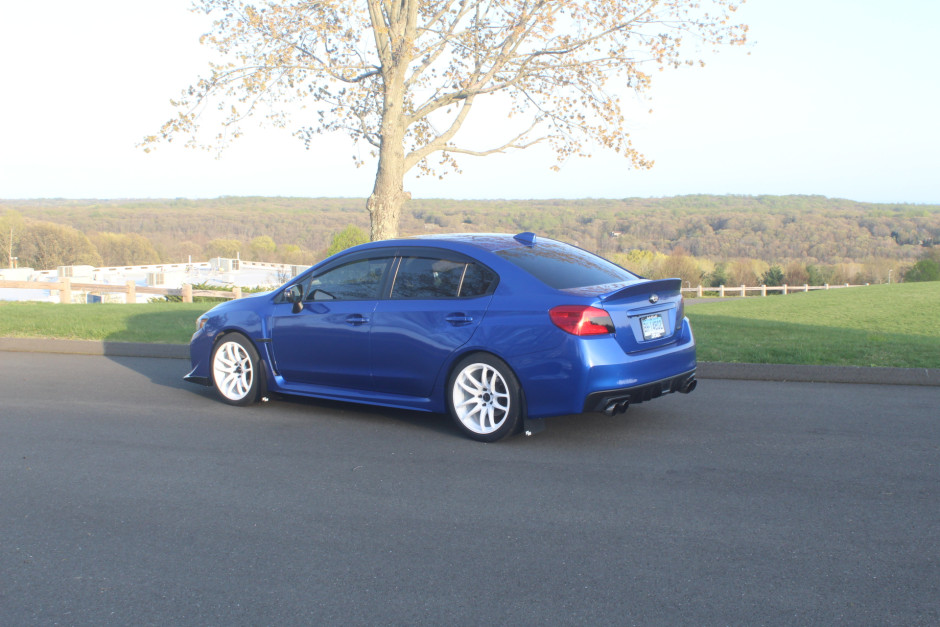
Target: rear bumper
x,y
613,401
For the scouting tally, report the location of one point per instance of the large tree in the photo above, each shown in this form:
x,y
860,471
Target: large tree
x,y
404,75
47,245
124,249
12,226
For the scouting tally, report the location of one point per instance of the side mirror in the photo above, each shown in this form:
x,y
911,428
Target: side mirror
x,y
295,295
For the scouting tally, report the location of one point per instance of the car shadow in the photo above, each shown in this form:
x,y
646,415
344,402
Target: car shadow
x,y
172,364
433,422
166,364
163,364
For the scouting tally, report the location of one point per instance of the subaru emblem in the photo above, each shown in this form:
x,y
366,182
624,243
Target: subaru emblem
x,y
654,298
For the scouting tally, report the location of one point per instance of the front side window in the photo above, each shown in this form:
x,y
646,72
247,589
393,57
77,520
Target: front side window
x,y
357,280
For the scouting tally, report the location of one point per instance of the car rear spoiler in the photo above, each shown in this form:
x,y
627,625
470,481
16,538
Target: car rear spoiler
x,y
662,287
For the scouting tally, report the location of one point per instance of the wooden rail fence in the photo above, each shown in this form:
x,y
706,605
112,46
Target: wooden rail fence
x,y
66,287
742,290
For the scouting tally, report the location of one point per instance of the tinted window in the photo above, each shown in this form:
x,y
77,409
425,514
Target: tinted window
x,y
564,267
477,281
430,277
358,280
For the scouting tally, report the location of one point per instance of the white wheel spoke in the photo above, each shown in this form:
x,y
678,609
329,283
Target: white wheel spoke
x,y
489,421
480,398
233,370
466,402
470,389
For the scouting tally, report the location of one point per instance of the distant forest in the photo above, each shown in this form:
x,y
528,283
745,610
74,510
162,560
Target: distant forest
x,y
701,238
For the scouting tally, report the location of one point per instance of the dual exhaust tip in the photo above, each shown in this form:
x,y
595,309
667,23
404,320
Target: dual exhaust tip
x,y
620,405
615,407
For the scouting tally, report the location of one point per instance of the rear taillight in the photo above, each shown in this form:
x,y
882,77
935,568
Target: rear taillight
x,y
681,313
581,320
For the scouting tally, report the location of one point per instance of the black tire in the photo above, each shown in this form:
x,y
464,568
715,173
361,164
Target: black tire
x,y
484,398
237,371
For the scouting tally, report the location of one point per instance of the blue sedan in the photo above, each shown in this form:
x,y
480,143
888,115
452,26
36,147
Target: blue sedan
x,y
498,331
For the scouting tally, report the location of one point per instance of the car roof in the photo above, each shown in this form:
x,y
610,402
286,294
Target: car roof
x,y
490,242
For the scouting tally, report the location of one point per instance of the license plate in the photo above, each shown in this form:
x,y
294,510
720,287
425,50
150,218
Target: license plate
x,y
653,327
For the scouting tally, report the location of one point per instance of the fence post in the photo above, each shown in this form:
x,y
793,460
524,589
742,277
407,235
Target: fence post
x,y
131,296
743,291
237,292
699,291
65,291
827,286
187,292
806,287
721,291
784,289
763,290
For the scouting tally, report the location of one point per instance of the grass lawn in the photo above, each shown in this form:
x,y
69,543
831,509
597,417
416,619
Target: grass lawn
x,y
160,323
880,325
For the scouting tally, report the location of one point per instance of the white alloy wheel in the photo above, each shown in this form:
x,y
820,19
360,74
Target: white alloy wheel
x,y
235,370
484,398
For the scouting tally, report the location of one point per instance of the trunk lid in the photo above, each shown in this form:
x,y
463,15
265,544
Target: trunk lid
x,y
646,314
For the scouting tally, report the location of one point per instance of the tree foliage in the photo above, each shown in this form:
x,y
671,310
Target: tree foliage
x,y
924,270
680,265
726,237
403,76
48,245
773,276
717,277
124,249
262,248
221,247
12,226
347,238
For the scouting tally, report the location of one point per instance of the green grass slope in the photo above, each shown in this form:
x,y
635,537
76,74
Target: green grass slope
x,y
880,325
160,323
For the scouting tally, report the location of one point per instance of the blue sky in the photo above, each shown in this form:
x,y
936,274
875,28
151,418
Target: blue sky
x,y
837,97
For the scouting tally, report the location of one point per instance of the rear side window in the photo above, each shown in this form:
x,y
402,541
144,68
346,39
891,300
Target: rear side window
x,y
477,281
435,277
562,266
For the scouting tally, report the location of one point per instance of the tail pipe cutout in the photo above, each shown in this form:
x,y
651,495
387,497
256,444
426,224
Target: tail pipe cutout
x,y
620,404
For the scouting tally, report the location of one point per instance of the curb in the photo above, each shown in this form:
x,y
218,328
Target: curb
x,y
706,369
819,374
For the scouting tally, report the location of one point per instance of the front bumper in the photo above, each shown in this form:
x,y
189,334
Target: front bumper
x,y
192,377
200,348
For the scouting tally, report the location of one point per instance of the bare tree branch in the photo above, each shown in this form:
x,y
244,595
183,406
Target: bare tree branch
x,y
390,72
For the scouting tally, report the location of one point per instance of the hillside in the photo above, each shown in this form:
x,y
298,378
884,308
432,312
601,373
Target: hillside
x,y
714,230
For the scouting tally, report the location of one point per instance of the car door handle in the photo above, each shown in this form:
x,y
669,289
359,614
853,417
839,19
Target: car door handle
x,y
458,319
356,319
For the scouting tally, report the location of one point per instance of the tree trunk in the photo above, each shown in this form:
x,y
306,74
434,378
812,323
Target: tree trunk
x,y
388,196
395,42
385,213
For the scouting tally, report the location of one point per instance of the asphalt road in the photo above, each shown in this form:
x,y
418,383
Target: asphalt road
x,y
130,497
